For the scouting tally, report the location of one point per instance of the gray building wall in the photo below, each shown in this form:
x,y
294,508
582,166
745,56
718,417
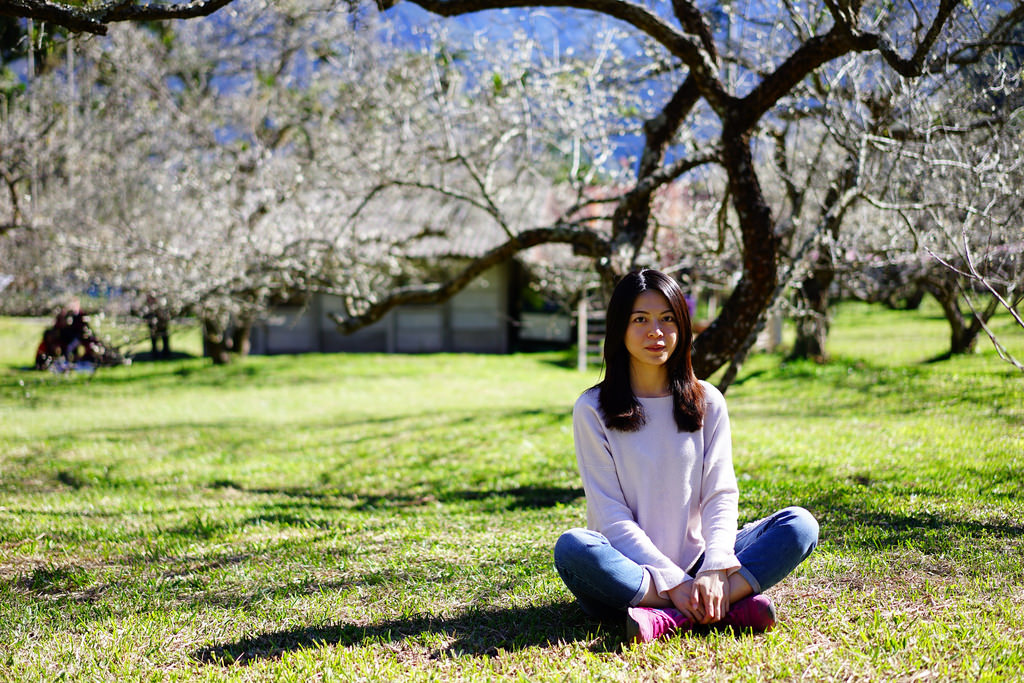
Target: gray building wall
x,y
474,320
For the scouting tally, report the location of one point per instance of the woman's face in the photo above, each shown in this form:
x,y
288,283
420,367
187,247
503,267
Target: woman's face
x,y
653,331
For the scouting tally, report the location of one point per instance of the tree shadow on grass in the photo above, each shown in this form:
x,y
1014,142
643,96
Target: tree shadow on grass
x,y
529,497
568,361
150,357
522,497
478,633
864,388
857,521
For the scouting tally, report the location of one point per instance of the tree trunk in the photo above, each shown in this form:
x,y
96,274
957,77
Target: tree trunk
x,y
216,342
906,301
727,334
241,334
812,322
944,288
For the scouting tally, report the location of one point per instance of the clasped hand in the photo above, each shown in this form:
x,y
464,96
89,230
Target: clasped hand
x,y
705,599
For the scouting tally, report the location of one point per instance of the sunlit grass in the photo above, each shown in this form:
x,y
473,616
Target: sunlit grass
x,y
339,517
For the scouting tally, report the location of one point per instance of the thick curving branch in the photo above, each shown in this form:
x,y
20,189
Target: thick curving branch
x,y
95,19
632,216
812,54
686,47
740,315
586,242
914,65
694,23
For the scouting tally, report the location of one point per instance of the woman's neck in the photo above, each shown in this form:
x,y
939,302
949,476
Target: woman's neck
x,y
649,381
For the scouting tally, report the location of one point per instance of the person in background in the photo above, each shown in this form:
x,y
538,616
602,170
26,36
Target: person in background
x,y
49,349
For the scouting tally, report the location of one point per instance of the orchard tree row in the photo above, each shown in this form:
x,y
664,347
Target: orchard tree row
x,y
271,150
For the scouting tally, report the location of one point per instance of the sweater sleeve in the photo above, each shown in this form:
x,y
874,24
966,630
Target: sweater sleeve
x,y
719,494
607,510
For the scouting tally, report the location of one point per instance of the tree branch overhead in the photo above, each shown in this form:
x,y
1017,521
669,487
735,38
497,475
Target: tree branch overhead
x,y
95,19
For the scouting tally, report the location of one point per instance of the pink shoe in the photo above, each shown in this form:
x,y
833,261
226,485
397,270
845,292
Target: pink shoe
x,y
644,624
753,613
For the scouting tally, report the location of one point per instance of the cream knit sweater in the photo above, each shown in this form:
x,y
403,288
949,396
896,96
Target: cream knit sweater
x,y
660,496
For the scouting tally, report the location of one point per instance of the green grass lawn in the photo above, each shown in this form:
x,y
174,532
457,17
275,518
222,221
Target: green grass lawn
x,y
347,517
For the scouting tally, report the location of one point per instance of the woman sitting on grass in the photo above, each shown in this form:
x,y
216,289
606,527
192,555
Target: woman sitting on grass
x,y
654,452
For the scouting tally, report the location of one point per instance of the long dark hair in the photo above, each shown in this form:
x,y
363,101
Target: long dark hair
x,y
619,405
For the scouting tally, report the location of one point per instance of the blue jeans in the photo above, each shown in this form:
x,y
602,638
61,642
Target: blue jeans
x,y
606,582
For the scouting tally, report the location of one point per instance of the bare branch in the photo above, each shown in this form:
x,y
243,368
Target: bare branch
x,y
134,11
686,47
1000,348
586,241
95,19
632,216
12,190
666,175
812,54
971,53
915,65
694,23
